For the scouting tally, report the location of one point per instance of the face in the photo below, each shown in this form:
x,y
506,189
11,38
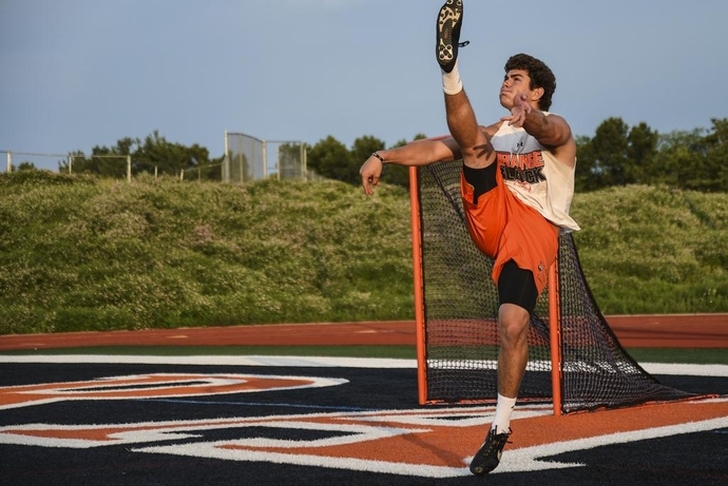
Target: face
x,y
514,82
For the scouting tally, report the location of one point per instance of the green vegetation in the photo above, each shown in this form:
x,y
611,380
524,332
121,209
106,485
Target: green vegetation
x,y
87,254
80,253
654,250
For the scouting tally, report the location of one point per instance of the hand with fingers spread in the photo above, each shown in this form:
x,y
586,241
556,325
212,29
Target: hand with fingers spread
x,y
521,109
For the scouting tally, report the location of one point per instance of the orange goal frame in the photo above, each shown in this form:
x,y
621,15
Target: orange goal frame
x,y
554,310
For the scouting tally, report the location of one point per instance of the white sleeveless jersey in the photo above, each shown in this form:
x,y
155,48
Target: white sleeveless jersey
x,y
534,175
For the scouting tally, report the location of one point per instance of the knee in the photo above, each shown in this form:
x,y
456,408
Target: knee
x,y
513,323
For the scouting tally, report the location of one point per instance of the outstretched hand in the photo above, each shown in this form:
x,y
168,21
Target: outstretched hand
x,y
370,172
521,109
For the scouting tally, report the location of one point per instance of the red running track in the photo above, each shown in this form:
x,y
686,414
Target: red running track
x,y
653,331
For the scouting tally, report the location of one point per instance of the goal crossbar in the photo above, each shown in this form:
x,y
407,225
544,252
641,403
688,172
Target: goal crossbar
x,y
575,360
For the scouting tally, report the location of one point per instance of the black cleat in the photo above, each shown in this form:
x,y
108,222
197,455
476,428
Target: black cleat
x,y
449,22
488,456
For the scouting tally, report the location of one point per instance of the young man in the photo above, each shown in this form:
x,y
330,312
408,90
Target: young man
x,y
517,184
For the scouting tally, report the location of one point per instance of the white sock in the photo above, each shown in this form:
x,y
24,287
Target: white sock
x,y
503,411
451,83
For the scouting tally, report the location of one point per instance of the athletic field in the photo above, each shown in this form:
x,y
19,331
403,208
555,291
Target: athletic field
x,y
172,416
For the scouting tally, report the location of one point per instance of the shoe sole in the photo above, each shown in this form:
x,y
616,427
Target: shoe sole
x,y
450,15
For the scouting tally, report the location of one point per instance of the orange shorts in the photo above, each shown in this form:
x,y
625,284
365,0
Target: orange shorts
x,y
505,228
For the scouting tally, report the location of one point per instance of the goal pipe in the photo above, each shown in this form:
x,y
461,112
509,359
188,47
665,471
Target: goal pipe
x,y
420,333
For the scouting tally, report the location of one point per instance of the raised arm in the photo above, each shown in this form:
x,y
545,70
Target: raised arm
x,y
551,131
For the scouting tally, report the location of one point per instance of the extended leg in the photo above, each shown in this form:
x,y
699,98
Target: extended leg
x,y
461,119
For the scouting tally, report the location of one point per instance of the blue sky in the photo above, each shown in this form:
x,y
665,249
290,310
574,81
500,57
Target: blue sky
x,y
79,73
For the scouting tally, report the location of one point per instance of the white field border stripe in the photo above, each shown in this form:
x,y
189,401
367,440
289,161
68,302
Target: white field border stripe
x,y
539,458
313,362
274,361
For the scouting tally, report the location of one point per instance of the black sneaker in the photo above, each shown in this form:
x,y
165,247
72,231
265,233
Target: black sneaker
x,y
488,456
449,22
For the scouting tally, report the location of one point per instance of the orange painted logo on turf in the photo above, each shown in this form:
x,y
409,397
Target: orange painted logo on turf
x,y
158,385
434,442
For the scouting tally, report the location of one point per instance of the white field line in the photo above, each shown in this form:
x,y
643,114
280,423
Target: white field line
x,y
314,362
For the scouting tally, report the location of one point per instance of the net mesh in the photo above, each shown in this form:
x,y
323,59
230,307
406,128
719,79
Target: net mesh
x,y
461,308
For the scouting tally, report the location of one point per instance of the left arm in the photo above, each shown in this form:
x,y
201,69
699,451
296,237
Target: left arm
x,y
551,131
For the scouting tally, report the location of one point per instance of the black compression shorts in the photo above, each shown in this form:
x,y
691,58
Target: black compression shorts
x,y
482,180
516,286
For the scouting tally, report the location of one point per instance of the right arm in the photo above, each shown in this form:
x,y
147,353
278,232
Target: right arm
x,y
417,153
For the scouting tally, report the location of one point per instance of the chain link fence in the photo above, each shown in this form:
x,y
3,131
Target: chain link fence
x,y
63,163
114,166
249,158
246,158
46,161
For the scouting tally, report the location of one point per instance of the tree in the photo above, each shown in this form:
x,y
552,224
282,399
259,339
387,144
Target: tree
x,y
716,157
681,155
364,146
26,166
697,160
641,150
103,161
153,155
585,177
330,158
617,155
609,147
156,153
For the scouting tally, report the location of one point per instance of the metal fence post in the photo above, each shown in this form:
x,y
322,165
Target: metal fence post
x,y
265,159
226,169
304,162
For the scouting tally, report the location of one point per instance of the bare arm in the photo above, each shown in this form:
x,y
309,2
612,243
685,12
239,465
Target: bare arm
x,y
417,153
551,131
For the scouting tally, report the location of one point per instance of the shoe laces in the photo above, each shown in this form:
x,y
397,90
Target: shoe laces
x,y
499,440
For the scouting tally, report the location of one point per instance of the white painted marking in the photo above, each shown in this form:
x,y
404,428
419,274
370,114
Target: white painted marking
x,y
717,370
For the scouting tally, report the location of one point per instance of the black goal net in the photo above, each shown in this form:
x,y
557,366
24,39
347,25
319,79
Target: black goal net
x,y
460,308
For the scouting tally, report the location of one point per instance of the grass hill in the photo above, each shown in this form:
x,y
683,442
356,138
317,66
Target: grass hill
x,y
79,253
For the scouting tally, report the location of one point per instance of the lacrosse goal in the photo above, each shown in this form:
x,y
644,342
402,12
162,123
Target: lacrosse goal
x,y
575,360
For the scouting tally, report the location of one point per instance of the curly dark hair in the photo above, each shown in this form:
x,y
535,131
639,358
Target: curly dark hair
x,y
540,74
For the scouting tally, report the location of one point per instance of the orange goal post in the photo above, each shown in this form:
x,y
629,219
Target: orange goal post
x,y
575,360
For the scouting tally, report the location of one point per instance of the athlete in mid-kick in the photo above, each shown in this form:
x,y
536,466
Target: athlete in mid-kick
x,y
517,184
